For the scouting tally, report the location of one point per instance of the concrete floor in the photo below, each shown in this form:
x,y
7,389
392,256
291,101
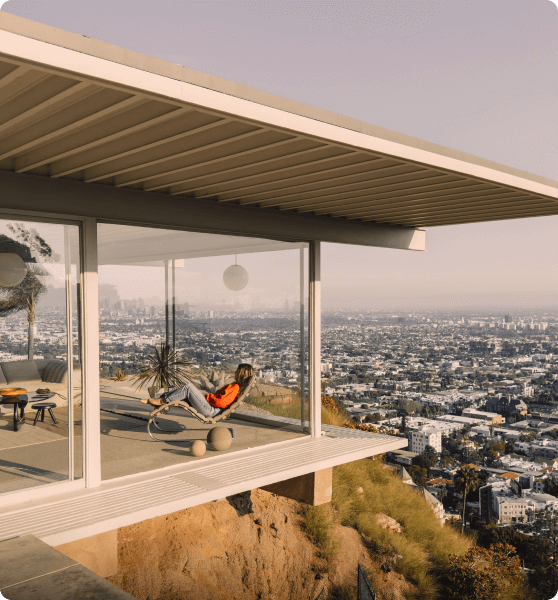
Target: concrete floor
x,y
36,455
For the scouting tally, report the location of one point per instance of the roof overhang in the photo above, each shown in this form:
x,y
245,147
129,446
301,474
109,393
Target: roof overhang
x,y
73,108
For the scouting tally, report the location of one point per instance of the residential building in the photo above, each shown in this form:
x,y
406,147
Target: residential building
x,y
490,417
425,436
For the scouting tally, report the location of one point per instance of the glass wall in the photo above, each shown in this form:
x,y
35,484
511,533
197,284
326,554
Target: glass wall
x,y
219,301
39,338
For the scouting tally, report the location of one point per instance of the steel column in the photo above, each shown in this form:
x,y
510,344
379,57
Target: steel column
x,y
91,408
314,339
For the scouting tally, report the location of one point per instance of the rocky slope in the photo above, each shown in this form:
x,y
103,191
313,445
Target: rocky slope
x,y
214,552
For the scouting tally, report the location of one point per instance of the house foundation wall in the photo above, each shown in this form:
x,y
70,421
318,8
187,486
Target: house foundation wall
x,y
314,488
98,553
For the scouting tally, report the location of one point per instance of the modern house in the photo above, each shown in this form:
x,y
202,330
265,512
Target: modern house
x,y
130,167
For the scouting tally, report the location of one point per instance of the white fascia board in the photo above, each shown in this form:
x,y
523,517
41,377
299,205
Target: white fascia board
x,y
85,66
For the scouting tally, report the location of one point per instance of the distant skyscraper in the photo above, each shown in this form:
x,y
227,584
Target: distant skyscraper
x,y
508,318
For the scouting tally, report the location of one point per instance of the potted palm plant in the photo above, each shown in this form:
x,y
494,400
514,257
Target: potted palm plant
x,y
167,369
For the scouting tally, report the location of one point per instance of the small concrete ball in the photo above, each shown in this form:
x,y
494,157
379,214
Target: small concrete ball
x,y
197,448
219,438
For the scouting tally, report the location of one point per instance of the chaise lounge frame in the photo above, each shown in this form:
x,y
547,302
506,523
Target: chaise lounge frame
x,y
208,420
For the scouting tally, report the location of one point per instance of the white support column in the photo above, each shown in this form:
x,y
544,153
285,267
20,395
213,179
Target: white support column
x,y
302,334
91,409
314,339
70,343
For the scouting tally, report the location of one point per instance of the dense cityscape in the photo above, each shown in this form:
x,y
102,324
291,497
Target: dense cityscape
x,y
472,389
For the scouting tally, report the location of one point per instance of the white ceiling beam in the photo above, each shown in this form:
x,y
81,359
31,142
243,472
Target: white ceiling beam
x,y
44,106
398,211
278,200
324,180
394,204
65,170
234,138
443,190
14,75
221,159
26,163
151,145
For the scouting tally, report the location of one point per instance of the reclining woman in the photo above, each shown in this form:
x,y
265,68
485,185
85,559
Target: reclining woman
x,y
208,405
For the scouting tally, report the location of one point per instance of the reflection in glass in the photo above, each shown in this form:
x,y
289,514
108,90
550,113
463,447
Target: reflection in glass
x,y
171,287
38,321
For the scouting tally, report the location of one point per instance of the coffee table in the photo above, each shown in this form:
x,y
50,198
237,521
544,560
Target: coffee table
x,y
17,397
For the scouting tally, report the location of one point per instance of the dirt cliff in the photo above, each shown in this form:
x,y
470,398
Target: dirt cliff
x,y
210,552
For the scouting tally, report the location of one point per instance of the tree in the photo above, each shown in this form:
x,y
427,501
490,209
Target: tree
x,y
427,459
403,428
447,460
483,574
466,480
26,295
528,436
418,475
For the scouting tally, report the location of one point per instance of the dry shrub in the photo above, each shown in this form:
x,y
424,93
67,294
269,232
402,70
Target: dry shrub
x,y
319,527
424,545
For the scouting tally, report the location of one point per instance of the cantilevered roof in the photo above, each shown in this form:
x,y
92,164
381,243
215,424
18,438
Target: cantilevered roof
x,y
76,108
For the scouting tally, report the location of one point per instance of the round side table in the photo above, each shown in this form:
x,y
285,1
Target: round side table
x,y
17,397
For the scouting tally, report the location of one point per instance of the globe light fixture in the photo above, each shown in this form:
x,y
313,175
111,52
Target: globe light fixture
x,y
235,277
12,269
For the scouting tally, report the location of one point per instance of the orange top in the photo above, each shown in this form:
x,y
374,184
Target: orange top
x,y
224,397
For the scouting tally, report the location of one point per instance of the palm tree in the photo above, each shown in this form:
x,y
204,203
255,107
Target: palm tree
x,y
29,245
466,480
25,297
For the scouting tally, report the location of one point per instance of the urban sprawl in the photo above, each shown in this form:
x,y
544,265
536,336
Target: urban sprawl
x,y
472,389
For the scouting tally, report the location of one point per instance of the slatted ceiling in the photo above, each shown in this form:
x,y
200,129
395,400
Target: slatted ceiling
x,y
320,171
98,131
317,172
412,206
179,146
433,211
39,151
61,143
132,123
131,140
400,197
224,144
217,169
322,187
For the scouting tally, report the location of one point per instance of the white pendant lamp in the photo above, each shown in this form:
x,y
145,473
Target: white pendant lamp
x,y
235,277
12,269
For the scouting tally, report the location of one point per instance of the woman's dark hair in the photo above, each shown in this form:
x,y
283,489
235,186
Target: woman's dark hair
x,y
243,372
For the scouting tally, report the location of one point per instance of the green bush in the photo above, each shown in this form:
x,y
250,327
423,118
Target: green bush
x,y
319,528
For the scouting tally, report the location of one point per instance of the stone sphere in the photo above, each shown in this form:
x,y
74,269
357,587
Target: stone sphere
x,y
197,448
219,438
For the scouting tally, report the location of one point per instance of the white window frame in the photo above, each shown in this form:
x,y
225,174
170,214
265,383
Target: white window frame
x,y
91,429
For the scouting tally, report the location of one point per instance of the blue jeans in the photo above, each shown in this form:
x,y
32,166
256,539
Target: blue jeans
x,y
190,394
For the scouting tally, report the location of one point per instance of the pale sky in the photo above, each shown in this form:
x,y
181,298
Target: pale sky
x,y
475,75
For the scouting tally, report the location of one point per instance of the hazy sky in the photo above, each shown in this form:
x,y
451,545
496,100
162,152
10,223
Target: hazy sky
x,y
475,75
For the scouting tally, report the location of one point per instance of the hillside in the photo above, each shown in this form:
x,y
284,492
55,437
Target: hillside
x,y
281,549
285,550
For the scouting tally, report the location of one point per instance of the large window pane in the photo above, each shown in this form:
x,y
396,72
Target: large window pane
x,y
38,318
221,301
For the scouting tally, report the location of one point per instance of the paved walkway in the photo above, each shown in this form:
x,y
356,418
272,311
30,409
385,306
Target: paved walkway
x,y
32,569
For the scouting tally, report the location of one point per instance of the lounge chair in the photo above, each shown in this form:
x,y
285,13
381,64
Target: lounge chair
x,y
208,420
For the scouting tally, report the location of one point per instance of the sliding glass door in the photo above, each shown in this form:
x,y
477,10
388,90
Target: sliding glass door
x,y
40,354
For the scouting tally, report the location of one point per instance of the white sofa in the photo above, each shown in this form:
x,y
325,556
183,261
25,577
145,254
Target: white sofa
x,y
42,373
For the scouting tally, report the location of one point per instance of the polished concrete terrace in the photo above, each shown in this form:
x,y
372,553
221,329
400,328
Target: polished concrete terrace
x,y
36,455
